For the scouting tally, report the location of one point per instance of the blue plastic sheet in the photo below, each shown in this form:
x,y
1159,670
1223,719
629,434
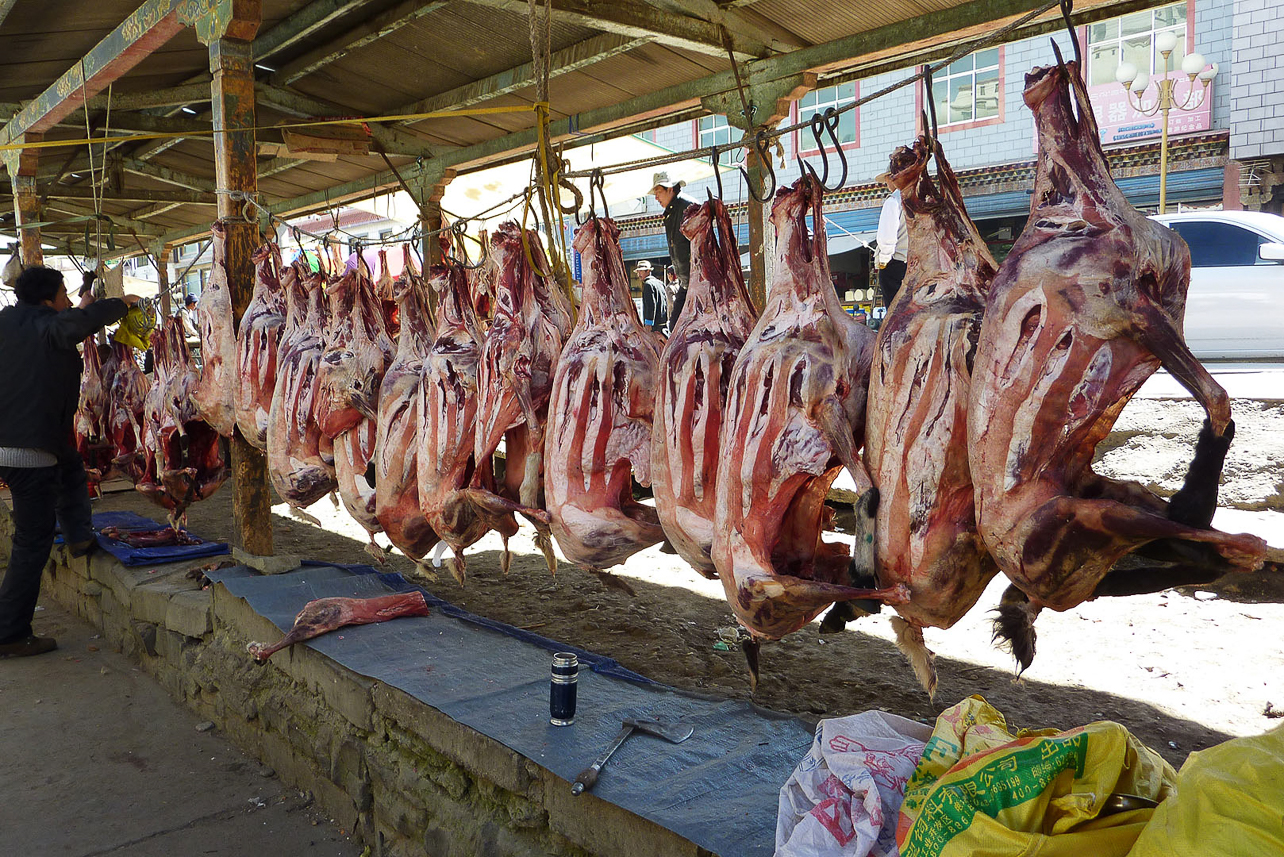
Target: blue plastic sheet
x,y
147,556
719,789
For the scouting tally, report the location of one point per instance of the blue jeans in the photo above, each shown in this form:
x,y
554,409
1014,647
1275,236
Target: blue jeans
x,y
41,496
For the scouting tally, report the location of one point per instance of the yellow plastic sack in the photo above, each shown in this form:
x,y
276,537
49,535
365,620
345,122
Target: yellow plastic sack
x,y
1229,801
981,791
136,328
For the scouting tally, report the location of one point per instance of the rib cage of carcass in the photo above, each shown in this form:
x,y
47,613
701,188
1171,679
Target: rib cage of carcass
x,y
1087,305
531,320
916,426
795,411
695,369
182,456
599,416
258,342
214,394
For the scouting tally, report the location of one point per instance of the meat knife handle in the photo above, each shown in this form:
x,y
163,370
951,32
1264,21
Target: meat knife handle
x,y
587,778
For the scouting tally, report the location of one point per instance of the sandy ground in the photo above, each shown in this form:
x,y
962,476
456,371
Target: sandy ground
x,y
1182,669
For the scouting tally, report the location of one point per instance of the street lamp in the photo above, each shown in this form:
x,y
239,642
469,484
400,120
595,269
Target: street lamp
x,y
1135,83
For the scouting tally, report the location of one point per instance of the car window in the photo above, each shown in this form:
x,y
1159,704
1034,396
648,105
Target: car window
x,y
1214,244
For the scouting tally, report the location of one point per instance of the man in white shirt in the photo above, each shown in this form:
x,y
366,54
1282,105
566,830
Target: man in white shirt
x,y
893,247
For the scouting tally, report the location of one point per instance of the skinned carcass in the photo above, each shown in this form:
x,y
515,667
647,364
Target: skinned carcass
x,y
1087,305
91,423
599,416
448,397
354,384
515,376
183,459
214,396
329,614
397,441
695,368
795,410
258,345
125,412
296,465
916,425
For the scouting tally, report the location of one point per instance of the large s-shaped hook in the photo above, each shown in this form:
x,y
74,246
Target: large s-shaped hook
x,y
760,141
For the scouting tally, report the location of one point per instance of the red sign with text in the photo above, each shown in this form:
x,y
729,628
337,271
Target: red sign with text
x,y
1120,121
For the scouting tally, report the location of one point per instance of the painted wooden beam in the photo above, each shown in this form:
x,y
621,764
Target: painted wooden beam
x,y
358,37
6,6
573,58
58,191
638,19
303,23
148,27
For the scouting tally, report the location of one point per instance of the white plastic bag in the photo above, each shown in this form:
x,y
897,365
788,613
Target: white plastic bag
x,y
844,797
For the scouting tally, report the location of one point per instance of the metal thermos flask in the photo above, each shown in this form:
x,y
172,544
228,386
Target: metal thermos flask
x,y
561,689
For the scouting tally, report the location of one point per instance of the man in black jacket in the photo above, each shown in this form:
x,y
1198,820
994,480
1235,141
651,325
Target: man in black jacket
x,y
669,194
655,309
39,391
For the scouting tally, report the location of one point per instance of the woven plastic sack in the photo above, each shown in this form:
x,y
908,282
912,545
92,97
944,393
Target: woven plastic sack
x,y
843,798
1229,803
982,790
136,328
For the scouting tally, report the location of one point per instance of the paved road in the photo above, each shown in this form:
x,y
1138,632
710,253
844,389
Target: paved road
x,y
97,761
1260,381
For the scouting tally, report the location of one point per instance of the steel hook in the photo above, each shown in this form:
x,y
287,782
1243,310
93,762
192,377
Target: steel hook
x,y
597,189
717,172
933,128
829,121
760,140
1067,6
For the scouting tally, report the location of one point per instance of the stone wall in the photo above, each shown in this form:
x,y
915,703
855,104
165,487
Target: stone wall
x,y
403,777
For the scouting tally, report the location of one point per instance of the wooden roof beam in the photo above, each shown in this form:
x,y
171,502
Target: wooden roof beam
x,y
747,23
303,23
6,6
58,191
638,19
358,37
394,142
577,56
147,28
165,174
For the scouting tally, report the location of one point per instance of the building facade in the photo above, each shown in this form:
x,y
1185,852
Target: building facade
x,y
1227,152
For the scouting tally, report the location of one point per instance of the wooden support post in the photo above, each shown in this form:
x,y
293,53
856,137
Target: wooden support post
x,y
228,31
26,205
757,214
160,256
431,188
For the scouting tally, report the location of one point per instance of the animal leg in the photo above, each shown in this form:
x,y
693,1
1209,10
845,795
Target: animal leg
x,y
909,639
752,647
1160,335
1196,500
1014,626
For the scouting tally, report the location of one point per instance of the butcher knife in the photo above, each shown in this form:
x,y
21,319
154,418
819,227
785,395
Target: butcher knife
x,y
674,733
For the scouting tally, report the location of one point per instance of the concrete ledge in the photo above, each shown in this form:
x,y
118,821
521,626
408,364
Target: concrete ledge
x,y
405,778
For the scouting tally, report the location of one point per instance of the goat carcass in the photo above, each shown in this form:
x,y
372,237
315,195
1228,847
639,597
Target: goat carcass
x,y
528,328
695,368
125,412
183,455
397,440
1086,306
795,410
458,513
258,345
916,427
599,428
328,614
298,472
90,424
214,396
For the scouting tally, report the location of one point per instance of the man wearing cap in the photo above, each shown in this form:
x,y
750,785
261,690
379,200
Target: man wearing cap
x,y
668,193
655,310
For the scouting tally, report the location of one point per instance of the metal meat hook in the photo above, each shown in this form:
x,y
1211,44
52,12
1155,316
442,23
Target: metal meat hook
x,y
717,173
760,140
933,128
828,122
597,189
460,230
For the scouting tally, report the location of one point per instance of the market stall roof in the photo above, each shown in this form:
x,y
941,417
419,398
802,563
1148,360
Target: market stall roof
x,y
616,67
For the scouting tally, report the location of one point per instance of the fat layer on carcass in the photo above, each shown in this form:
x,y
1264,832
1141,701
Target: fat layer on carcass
x,y
795,411
530,324
599,417
916,428
695,369
1087,305
299,473
214,395
397,439
183,459
258,344
448,399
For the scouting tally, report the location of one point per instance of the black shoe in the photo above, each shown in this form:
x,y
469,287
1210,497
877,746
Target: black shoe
x,y
27,647
84,548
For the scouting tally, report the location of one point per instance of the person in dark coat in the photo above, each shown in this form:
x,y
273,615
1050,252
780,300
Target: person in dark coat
x,y
655,309
669,194
39,393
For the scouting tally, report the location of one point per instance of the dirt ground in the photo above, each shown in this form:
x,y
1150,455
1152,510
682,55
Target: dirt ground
x,y
1183,669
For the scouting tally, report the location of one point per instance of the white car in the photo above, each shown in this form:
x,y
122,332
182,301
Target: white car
x,y
1235,306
